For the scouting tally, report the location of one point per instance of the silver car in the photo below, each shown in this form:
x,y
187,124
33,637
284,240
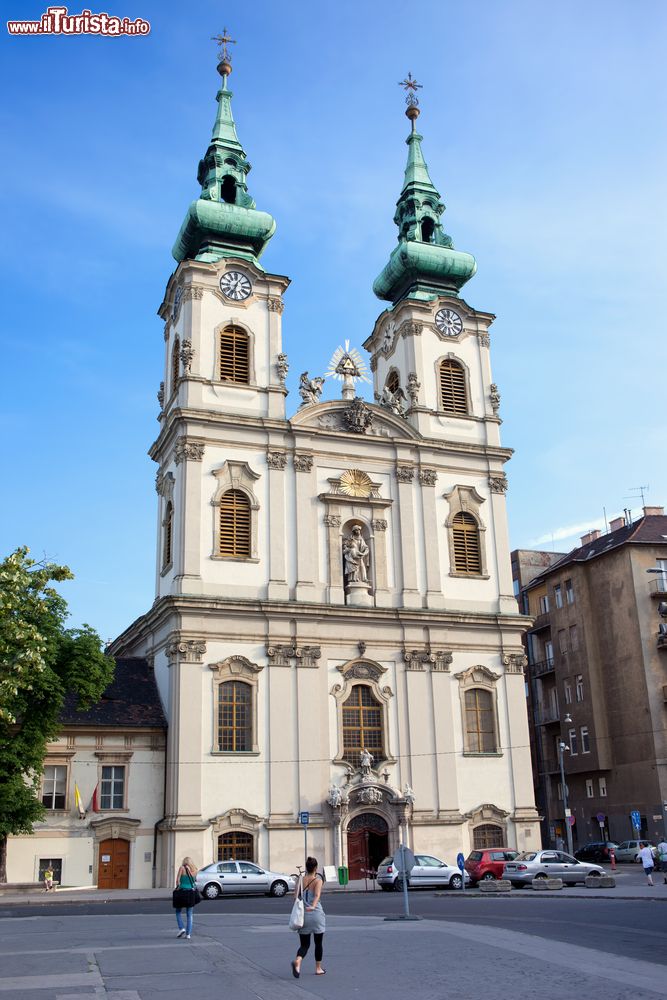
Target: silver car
x,y
428,872
629,850
548,864
241,877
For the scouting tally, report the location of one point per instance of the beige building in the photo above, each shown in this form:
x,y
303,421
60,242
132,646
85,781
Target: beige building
x,y
113,755
334,630
597,658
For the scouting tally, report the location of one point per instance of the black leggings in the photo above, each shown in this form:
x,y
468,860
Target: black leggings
x,y
305,945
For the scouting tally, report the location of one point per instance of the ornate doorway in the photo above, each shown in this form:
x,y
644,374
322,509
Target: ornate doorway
x,y
367,843
114,864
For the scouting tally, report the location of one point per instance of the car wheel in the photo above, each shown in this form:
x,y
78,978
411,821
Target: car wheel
x,y
455,882
541,875
398,885
387,888
279,888
594,874
211,891
488,877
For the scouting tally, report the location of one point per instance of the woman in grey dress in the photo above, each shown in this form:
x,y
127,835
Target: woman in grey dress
x,y
314,920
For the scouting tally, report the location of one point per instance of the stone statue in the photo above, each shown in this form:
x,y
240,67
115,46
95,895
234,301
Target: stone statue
x,y
356,555
335,797
494,396
366,760
408,794
310,389
392,400
414,385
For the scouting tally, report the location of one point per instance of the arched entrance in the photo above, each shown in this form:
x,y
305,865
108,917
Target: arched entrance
x,y
367,843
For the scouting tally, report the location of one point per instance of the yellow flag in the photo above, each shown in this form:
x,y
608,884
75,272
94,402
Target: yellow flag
x,y
77,800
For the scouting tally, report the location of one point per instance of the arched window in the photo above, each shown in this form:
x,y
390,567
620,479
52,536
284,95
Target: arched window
x,y
168,530
487,835
234,355
428,228
393,382
234,524
480,721
466,544
234,716
453,392
362,725
236,845
228,189
175,364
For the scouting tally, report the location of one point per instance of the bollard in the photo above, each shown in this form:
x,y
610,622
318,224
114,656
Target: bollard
x,y
612,858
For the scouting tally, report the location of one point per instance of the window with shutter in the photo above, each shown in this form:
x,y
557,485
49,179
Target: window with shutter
x,y
234,356
168,532
393,382
234,524
453,393
467,553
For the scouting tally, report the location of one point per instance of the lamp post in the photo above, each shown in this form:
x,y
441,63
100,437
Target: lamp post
x,y
562,748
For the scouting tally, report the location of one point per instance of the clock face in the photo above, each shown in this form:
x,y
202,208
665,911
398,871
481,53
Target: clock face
x,y
448,322
177,301
235,285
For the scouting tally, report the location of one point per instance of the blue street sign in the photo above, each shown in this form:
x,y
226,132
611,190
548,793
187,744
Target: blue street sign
x,y
304,818
460,862
636,819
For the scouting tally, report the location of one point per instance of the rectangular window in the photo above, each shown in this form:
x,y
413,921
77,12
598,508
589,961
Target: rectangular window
x,y
590,792
55,865
585,740
569,592
558,596
562,640
112,788
548,650
54,786
574,638
544,604
661,564
574,742
579,682
517,587
602,785
567,688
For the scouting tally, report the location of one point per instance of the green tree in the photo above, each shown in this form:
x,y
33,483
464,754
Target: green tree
x,y
41,662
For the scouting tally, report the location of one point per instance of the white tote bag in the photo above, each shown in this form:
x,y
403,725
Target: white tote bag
x,y
297,915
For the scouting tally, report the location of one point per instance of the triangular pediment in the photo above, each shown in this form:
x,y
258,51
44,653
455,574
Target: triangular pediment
x,y
331,417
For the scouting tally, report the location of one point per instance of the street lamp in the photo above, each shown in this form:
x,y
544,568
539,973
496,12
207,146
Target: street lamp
x,y
562,748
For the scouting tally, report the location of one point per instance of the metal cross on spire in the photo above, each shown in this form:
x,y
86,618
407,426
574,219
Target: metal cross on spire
x,y
223,41
410,86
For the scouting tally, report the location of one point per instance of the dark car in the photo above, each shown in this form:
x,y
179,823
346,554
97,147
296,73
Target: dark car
x,y
596,850
488,864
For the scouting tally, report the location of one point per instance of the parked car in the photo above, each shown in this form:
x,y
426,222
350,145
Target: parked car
x,y
428,871
241,877
548,864
629,850
596,850
488,864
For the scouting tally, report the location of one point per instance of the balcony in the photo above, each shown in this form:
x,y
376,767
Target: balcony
x,y
545,714
542,667
658,586
541,621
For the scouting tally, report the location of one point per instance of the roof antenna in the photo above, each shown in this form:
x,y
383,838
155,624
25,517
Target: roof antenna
x,y
642,490
606,526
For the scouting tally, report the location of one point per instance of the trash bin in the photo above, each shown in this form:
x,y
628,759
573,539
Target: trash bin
x,y
343,875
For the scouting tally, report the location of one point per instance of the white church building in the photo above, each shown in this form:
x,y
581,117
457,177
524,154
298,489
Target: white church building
x,y
334,629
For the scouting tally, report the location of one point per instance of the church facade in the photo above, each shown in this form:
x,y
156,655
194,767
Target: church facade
x,y
334,630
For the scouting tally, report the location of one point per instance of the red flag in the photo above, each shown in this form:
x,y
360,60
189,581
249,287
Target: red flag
x,y
95,802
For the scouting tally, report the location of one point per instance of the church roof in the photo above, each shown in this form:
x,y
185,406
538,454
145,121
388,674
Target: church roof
x,y
131,701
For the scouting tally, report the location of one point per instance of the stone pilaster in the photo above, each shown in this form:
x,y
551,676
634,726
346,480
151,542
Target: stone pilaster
x,y
278,588
306,530
405,477
434,595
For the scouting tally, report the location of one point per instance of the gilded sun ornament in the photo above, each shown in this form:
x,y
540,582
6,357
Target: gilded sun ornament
x,y
355,483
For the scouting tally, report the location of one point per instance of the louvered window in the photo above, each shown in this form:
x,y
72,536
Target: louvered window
x,y
467,554
234,356
234,524
362,725
453,394
393,382
175,370
168,533
234,716
480,728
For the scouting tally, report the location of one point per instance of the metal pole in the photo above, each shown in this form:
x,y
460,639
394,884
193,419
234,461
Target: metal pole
x,y
406,906
568,826
305,844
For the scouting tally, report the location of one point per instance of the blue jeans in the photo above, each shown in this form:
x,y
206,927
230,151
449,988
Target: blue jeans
x,y
188,915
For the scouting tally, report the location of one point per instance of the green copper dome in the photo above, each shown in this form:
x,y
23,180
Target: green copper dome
x,y
425,263
223,221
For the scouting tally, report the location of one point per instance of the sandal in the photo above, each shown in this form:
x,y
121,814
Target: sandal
x,y
295,971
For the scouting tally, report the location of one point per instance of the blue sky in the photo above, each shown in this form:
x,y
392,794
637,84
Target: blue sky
x,y
545,131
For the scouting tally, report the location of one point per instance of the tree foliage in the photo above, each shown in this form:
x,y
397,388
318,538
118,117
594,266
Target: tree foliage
x,y
41,662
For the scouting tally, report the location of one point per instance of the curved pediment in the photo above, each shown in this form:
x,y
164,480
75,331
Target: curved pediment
x,y
357,418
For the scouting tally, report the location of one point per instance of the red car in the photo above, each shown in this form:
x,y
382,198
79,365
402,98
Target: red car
x,y
487,864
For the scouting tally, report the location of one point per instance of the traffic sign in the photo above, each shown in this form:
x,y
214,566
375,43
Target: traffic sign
x,y
601,817
304,818
636,819
571,820
406,861
460,862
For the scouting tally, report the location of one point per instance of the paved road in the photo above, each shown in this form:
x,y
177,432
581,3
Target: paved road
x,y
525,947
